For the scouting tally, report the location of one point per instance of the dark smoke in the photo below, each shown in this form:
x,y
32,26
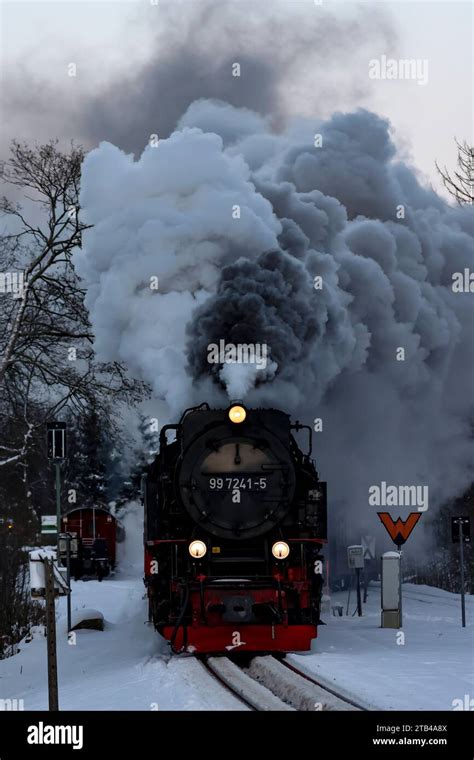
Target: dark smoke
x,y
267,301
198,42
289,54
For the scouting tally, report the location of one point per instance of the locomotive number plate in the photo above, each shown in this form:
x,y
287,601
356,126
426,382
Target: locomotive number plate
x,y
242,482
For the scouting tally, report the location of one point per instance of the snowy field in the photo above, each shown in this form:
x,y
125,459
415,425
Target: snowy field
x,y
433,667
127,666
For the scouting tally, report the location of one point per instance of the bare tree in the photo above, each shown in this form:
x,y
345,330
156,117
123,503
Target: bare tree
x,y
460,184
47,362
46,343
52,178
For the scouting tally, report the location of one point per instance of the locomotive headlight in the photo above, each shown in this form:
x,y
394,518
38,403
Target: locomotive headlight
x,y
280,550
237,413
197,549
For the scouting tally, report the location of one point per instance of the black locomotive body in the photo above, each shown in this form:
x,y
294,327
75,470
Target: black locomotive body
x,y
235,520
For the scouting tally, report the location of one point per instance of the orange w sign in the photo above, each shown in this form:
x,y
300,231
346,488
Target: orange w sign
x,y
400,530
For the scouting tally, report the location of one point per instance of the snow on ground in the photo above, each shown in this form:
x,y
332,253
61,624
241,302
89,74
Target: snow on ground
x,y
433,667
128,667
125,667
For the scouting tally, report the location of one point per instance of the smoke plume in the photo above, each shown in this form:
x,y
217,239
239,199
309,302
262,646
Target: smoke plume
x,y
329,251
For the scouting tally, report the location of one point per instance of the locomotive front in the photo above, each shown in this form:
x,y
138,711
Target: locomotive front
x,y
235,518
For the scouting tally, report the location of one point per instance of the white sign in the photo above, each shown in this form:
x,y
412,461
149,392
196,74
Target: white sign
x,y
49,524
355,557
368,545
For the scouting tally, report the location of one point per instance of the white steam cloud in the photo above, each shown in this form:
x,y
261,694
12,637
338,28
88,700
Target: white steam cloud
x,y
238,223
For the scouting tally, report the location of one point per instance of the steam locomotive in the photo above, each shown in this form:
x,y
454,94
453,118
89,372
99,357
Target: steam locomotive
x,y
235,521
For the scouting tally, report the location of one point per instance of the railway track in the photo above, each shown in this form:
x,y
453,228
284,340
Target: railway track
x,y
268,684
252,694
351,704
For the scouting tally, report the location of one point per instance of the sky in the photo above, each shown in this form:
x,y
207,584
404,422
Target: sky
x,y
121,51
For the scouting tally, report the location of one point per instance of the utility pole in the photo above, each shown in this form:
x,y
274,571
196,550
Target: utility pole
x,y
461,559
57,466
349,594
51,636
359,601
64,549
68,566
399,547
57,453
355,560
461,533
